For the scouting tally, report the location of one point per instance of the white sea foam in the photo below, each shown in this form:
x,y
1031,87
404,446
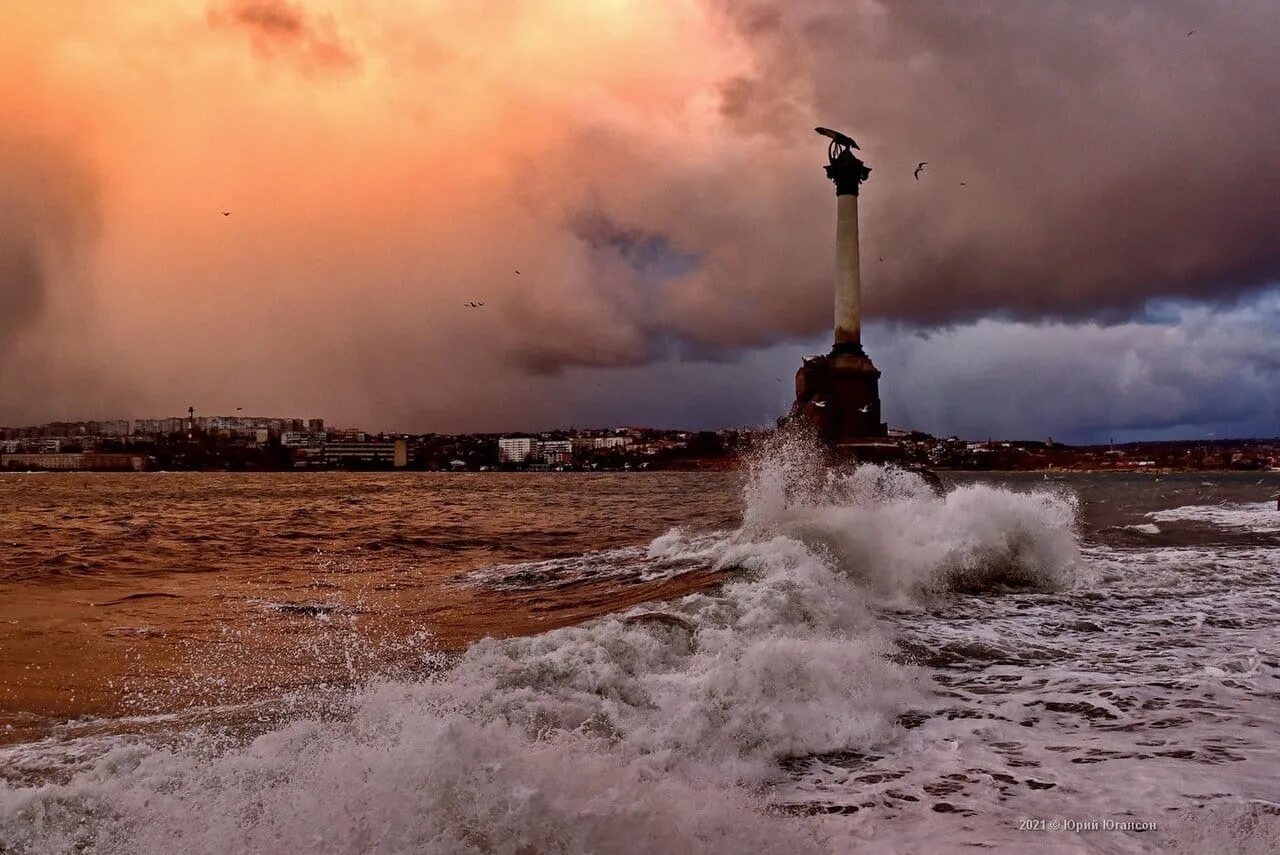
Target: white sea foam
x,y
1253,516
887,529
1240,828
640,733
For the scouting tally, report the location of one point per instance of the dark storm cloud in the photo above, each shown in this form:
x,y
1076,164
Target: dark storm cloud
x,y
1084,157
613,262
1107,158
648,253
277,28
1203,371
22,285
48,218
48,212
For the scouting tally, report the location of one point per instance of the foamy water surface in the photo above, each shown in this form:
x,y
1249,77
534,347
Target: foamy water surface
x,y
858,665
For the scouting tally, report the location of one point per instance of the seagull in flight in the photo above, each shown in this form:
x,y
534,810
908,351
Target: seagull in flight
x,y
517,272
819,403
226,213
865,409
1189,34
919,168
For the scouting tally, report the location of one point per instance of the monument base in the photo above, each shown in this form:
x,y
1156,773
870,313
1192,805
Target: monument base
x,y
839,395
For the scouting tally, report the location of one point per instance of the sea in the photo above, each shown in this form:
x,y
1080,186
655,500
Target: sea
x,y
788,658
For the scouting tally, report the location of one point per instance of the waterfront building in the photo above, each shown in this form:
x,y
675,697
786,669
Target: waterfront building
x,y
157,427
73,461
358,454
303,439
515,449
555,451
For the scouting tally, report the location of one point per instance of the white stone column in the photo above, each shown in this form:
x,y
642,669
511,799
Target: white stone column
x,y
848,319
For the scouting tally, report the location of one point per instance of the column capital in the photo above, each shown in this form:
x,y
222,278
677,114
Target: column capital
x,y
847,172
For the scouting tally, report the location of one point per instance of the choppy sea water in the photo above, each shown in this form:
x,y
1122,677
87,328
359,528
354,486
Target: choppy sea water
x,y
791,661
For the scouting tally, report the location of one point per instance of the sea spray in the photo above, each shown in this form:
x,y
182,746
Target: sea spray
x,y
616,736
887,528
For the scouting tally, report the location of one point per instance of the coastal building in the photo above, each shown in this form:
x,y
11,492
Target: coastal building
x,y
112,428
515,449
240,427
555,452
366,454
42,461
73,461
303,439
158,427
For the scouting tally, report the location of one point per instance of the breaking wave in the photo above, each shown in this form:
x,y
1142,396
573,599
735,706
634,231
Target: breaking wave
x,y
1253,516
888,529
652,730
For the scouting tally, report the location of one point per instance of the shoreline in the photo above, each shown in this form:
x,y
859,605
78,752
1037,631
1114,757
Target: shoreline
x,y
699,467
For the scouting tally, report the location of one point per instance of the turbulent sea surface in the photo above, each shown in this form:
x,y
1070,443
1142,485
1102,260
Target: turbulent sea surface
x,y
783,660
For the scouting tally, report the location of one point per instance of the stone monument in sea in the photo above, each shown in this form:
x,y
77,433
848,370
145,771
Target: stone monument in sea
x,y
839,393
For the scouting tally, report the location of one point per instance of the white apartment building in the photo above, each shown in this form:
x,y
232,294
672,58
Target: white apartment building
x,y
555,451
515,449
303,439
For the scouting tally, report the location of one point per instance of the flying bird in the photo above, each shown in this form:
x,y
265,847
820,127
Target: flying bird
x,y
837,137
865,409
919,167
819,403
238,409
961,183
517,272
226,213
1189,34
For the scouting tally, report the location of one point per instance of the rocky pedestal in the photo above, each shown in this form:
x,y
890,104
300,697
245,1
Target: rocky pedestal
x,y
839,395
